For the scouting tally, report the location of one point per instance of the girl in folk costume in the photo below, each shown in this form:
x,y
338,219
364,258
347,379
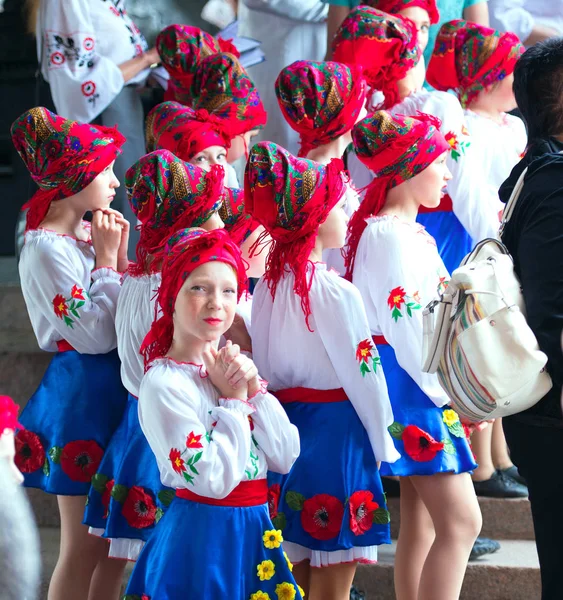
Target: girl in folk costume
x,y
215,431
365,37
127,499
194,136
397,268
322,102
71,277
181,48
478,64
332,509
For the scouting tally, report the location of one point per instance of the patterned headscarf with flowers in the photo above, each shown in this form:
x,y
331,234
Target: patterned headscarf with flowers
x,y
320,100
168,194
184,131
290,197
186,250
393,7
395,148
239,224
224,89
62,156
384,46
181,48
468,58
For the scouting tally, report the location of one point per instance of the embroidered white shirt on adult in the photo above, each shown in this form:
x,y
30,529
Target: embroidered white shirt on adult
x,y
398,271
133,319
80,44
207,443
289,355
66,298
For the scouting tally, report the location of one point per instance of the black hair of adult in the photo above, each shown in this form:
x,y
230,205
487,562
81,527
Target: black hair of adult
x,y
538,88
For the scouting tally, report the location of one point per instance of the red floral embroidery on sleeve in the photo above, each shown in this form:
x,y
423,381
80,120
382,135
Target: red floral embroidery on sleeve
x,y
66,308
457,147
398,299
187,467
364,354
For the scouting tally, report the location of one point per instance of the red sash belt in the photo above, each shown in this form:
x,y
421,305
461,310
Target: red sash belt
x,y
310,396
379,340
247,493
444,206
64,346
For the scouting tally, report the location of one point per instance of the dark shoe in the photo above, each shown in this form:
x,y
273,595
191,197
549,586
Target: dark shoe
x,y
513,473
500,486
355,594
483,546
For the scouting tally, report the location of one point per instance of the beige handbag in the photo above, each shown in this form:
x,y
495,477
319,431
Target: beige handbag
x,y
476,337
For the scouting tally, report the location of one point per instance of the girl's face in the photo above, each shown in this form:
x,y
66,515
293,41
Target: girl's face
x,y
214,222
413,80
100,193
420,18
499,96
428,187
214,155
332,233
240,145
256,262
206,303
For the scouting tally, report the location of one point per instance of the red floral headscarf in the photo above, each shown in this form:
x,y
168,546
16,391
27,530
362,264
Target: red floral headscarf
x,y
185,251
395,148
181,48
393,7
184,131
238,223
321,101
384,46
224,89
290,197
468,58
168,194
62,156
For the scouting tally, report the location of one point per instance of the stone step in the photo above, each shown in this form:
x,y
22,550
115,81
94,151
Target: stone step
x,y
510,574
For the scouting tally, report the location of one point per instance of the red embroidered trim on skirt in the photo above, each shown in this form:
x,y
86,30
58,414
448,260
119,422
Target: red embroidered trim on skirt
x,y
379,340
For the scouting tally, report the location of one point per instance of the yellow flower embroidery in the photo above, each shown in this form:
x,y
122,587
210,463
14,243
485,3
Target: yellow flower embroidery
x,y
450,417
272,538
286,591
289,563
266,570
302,592
259,595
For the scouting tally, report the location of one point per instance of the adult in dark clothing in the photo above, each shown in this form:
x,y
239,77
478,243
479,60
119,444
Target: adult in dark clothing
x,y
534,237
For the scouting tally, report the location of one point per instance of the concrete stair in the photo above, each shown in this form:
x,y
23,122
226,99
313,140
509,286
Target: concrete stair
x,y
510,574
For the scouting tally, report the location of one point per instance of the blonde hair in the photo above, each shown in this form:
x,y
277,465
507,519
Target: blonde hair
x,y
32,10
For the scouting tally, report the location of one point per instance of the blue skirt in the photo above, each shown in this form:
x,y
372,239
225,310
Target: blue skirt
x,y
211,552
332,499
454,243
127,499
69,422
430,439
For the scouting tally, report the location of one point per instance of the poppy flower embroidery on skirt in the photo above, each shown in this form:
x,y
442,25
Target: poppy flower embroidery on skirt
x,y
420,445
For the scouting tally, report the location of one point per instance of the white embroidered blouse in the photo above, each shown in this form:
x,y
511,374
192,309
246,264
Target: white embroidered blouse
x,y
398,271
66,298
80,44
206,443
338,353
133,319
